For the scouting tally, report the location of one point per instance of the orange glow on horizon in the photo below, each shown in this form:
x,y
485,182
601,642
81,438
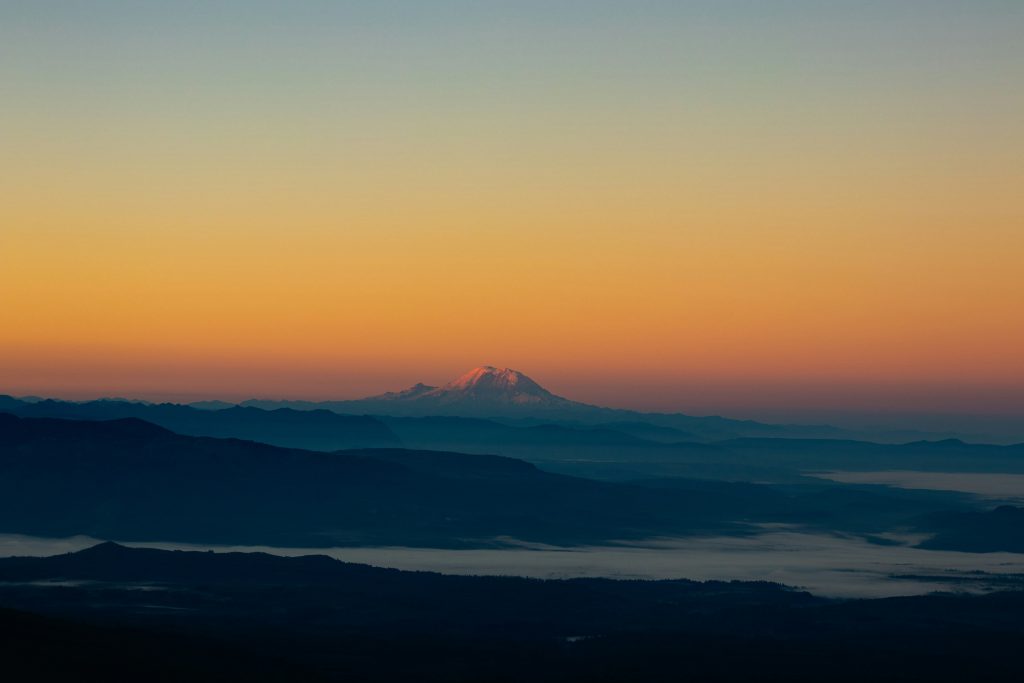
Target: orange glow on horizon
x,y
338,215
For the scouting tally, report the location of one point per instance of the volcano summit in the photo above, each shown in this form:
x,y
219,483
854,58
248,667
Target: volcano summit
x,y
485,384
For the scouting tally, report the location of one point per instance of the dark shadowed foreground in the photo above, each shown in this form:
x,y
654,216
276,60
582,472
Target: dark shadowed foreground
x,y
114,613
131,480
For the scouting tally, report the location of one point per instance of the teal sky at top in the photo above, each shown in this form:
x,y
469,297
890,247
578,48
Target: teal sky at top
x,y
402,58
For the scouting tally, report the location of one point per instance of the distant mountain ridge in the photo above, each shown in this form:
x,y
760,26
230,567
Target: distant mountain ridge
x,y
504,395
285,427
507,394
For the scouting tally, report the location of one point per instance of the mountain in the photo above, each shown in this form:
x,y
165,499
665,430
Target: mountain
x,y
494,386
485,390
507,394
511,396
313,429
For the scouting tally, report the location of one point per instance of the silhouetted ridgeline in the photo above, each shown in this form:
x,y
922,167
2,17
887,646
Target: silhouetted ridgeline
x,y
113,612
614,451
312,429
131,480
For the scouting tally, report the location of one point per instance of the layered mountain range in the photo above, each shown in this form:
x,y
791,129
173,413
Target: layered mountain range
x,y
511,396
133,480
487,392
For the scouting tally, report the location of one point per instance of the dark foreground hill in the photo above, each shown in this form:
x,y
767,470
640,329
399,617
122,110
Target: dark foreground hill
x,y
114,613
131,480
999,530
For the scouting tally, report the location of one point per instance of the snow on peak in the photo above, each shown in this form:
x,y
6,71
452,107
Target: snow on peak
x,y
494,384
486,385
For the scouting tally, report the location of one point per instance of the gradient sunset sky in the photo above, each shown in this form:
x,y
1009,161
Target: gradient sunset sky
x,y
676,205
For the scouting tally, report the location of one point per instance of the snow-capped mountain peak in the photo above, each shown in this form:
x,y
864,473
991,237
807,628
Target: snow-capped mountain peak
x,y
491,380
485,384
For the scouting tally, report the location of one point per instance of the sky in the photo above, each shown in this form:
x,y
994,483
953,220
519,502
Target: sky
x,y
705,206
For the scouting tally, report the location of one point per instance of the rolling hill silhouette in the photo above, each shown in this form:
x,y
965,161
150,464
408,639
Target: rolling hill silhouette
x,y
132,480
